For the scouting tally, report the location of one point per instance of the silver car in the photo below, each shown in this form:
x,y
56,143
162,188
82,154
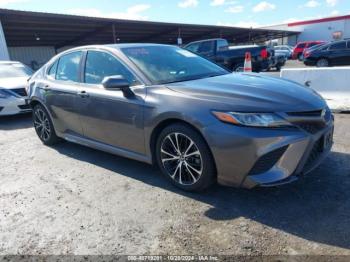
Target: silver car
x,y
198,122
13,83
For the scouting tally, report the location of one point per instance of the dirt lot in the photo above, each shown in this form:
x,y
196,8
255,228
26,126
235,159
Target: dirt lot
x,y
72,199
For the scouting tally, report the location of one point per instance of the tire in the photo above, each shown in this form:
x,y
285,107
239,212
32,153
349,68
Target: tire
x,y
300,57
323,62
43,126
195,172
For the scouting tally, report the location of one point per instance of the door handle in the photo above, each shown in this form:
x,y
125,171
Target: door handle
x,y
83,94
45,87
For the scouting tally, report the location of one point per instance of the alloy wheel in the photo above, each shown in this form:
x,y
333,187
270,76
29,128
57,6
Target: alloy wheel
x,y
181,159
41,124
322,63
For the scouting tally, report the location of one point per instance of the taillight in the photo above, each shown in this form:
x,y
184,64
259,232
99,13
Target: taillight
x,y
264,54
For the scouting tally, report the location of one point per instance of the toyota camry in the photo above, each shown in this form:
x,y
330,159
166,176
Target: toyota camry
x,y
198,122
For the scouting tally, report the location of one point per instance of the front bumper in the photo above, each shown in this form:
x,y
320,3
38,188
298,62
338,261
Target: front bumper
x,y
249,157
13,106
309,62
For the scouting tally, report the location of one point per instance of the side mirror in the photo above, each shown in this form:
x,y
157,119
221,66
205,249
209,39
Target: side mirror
x,y
117,82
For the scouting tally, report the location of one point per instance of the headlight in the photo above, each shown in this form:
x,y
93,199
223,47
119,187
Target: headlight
x,y
4,93
252,119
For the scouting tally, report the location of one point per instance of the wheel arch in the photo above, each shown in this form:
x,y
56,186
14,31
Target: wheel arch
x,y
326,58
167,122
34,101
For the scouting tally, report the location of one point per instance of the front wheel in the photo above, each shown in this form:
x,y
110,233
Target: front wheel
x,y
184,158
43,126
322,63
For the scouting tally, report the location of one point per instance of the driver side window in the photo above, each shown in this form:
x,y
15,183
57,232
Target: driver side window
x,y
100,65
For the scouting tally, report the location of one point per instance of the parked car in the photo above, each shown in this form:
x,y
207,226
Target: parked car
x,y
300,47
13,82
307,51
278,61
196,120
231,57
333,54
284,49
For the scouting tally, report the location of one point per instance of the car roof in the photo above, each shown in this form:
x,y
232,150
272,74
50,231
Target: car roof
x,y
111,46
205,40
308,42
9,62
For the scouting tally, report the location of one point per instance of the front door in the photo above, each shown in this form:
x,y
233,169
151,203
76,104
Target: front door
x,y
107,116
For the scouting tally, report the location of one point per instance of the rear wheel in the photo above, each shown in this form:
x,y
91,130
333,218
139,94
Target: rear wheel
x,y
323,62
43,126
184,158
300,57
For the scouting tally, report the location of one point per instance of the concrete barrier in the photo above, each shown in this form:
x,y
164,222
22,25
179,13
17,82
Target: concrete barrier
x,y
333,83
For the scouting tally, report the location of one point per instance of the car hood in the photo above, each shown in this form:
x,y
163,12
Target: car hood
x,y
13,82
252,93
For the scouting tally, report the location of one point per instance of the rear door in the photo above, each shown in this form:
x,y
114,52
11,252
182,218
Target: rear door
x,y
107,116
60,92
338,53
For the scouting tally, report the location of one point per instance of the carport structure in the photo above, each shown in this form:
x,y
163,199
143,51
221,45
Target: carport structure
x,y
35,29
22,28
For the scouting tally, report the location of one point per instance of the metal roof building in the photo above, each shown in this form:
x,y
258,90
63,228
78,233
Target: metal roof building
x,y
326,29
33,37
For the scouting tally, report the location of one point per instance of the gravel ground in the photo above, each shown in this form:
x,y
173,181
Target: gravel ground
x,y
69,199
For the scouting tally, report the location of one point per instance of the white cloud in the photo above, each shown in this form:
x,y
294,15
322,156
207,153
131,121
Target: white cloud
x,y
217,2
132,13
222,2
263,6
335,12
188,3
332,2
312,4
290,20
235,9
246,24
7,2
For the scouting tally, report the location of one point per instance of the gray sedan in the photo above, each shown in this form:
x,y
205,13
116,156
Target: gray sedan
x,y
198,122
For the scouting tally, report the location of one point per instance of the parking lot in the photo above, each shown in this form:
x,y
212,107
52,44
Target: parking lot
x,y
71,199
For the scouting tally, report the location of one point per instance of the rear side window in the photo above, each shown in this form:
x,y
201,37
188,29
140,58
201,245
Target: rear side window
x,y
301,45
53,70
100,65
312,44
206,47
222,45
68,67
338,46
193,48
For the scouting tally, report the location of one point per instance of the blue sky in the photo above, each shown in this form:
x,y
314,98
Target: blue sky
x,y
215,12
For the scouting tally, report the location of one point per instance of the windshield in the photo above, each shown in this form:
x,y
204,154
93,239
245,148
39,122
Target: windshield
x,y
168,64
14,70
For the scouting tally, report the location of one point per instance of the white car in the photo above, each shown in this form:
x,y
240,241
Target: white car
x,y
13,82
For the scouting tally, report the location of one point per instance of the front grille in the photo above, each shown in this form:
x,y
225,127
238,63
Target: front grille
x,y
267,161
312,121
317,113
20,91
311,128
24,107
315,153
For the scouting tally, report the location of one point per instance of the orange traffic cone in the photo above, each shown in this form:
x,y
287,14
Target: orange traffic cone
x,y
248,62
